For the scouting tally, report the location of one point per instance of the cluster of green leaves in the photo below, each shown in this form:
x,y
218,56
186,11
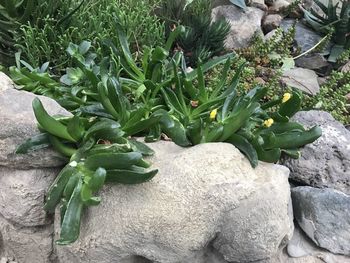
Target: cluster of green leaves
x,y
332,17
117,98
333,97
202,38
97,151
45,38
14,14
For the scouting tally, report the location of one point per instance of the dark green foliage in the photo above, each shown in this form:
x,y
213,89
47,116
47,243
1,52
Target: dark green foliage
x,y
334,15
115,98
46,38
333,97
202,38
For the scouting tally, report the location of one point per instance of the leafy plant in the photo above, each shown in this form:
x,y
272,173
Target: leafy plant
x,y
201,39
46,39
219,115
97,151
333,97
332,17
13,13
117,98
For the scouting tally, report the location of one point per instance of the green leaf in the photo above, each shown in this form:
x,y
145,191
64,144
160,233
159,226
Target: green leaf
x,y
70,227
246,147
239,3
130,177
141,147
37,142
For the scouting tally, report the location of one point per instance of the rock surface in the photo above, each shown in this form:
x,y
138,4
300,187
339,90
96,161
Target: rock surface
x,y
324,215
244,24
302,79
25,245
22,195
313,61
271,22
18,123
206,197
5,82
305,37
302,247
278,6
326,162
258,4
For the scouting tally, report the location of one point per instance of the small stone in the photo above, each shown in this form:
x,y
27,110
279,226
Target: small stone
x,y
278,6
312,61
271,22
302,79
324,215
346,67
259,4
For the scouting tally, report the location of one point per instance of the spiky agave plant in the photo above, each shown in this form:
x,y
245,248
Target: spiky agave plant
x,y
202,38
335,16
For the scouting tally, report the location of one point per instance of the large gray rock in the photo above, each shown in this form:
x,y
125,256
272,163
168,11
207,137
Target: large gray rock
x,y
205,198
324,215
302,79
25,245
305,37
18,123
22,195
244,24
326,162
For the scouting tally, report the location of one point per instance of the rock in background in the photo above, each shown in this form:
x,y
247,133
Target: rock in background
x,y
244,24
326,162
324,215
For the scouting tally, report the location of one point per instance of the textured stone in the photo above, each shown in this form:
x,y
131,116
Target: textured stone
x,y
22,195
271,22
302,79
258,4
278,6
313,61
18,123
325,162
5,82
25,245
305,37
205,198
244,24
303,248
324,215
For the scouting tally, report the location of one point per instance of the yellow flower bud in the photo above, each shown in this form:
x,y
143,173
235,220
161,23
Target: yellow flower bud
x,y
213,114
286,97
268,122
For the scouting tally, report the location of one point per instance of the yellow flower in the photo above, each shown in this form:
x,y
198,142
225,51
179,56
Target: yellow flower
x,y
286,97
213,114
268,122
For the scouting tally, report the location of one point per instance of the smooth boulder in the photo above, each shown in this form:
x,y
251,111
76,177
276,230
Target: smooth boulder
x,y
204,198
